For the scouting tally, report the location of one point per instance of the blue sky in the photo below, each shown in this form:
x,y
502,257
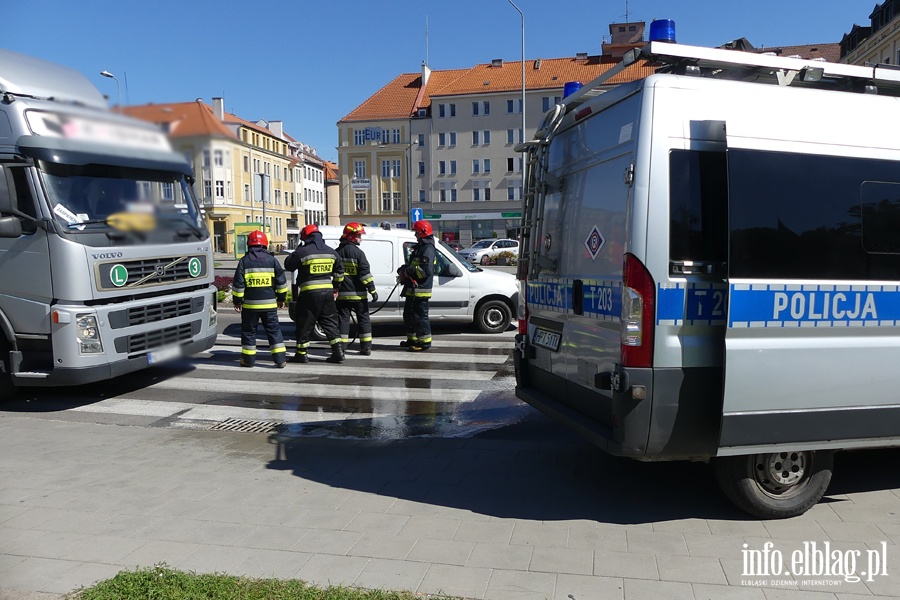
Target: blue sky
x,y
311,63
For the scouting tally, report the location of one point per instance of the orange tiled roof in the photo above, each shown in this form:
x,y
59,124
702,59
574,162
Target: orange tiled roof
x,y
831,52
403,96
183,119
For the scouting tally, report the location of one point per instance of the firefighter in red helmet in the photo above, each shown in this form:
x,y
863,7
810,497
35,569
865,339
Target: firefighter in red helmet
x,y
357,282
417,276
319,276
258,291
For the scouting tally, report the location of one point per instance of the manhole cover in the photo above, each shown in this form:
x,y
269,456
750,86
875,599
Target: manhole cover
x,y
246,426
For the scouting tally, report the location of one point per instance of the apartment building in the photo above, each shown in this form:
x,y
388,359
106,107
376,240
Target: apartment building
x,y
444,140
877,42
238,164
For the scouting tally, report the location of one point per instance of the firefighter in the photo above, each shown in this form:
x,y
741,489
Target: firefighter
x,y
258,291
357,281
417,276
319,276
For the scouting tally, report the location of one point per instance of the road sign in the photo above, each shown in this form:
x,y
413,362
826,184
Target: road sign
x,y
416,214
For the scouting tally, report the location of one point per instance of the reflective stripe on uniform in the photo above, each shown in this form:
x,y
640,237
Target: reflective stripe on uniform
x,y
365,338
248,350
316,286
303,345
277,348
350,296
260,305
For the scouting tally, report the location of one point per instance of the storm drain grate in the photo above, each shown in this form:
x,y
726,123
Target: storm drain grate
x,y
246,426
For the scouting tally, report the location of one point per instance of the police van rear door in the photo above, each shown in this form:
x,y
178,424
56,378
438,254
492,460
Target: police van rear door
x,y
813,327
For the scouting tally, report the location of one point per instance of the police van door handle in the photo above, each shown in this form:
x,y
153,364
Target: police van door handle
x,y
629,174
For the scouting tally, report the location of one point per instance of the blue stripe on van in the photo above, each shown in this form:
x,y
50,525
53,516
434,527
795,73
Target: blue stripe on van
x,y
694,303
550,295
814,305
602,299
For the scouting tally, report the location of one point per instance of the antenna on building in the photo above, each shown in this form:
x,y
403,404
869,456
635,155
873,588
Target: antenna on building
x,y
626,12
426,39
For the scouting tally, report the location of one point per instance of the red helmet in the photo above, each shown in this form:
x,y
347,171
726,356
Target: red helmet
x,y
422,228
257,238
353,229
308,231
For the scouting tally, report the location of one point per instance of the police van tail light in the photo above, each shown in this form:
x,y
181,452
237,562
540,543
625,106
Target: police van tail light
x,y
522,309
638,309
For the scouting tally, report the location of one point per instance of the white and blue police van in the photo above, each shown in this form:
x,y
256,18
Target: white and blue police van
x,y
710,267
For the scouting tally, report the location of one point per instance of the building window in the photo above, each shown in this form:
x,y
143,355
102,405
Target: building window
x,y
443,195
397,201
206,158
442,139
510,164
442,110
452,138
476,193
361,202
421,195
511,192
486,105
510,136
475,141
359,169
487,192
487,137
487,166
421,167
395,168
207,188
453,167
452,110
277,196
220,188
442,167
475,166
475,106
421,140
385,168
247,164
452,194
219,158
395,136
359,137
385,201
511,106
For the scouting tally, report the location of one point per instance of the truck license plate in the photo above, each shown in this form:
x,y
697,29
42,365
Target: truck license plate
x,y
163,354
546,339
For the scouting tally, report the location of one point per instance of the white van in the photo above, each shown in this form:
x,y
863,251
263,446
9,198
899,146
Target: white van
x,y
462,292
711,266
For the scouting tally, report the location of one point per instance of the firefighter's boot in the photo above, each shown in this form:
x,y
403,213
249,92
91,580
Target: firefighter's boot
x,y
365,348
337,354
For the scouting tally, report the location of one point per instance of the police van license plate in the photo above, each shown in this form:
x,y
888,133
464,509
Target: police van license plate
x,y
546,339
163,354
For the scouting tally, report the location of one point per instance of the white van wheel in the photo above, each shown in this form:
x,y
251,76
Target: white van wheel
x,y
318,333
775,485
493,316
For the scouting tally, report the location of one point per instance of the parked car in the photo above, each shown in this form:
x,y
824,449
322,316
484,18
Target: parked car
x,y
456,246
481,251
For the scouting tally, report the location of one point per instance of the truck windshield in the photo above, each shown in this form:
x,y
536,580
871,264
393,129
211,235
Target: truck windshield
x,y
92,197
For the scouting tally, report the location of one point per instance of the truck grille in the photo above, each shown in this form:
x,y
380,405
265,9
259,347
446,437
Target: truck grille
x,y
152,313
144,342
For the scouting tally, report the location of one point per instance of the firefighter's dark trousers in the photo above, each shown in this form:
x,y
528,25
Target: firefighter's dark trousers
x,y
346,309
313,306
415,316
249,321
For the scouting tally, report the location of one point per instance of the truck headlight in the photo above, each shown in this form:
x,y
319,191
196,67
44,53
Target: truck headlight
x,y
88,334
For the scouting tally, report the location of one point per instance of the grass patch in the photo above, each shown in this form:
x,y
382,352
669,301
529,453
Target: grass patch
x,y
163,583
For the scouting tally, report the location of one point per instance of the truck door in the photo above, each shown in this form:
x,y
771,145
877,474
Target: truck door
x,y
25,285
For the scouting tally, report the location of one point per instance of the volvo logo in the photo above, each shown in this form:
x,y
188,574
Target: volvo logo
x,y
105,255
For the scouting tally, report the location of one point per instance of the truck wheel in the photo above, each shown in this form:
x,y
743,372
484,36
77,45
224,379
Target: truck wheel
x,y
775,485
493,316
7,389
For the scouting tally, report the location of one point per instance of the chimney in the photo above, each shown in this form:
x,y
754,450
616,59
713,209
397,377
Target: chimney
x,y
219,108
581,56
497,62
426,73
277,128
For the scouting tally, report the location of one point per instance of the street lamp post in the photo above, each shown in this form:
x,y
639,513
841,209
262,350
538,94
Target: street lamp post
x,y
118,88
524,155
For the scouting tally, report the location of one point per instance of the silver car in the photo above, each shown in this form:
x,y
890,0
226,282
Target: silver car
x,y
481,251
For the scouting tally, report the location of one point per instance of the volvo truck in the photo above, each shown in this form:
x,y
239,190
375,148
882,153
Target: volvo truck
x,y
105,261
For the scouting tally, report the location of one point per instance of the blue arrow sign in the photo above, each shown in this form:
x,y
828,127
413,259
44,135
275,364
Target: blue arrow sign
x,y
416,214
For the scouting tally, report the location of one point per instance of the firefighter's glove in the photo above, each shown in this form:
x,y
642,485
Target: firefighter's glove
x,y
374,296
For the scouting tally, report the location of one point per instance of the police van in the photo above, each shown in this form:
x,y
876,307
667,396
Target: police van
x,y
462,293
710,267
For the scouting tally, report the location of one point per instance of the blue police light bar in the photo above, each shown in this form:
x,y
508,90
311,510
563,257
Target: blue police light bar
x,y
571,87
662,30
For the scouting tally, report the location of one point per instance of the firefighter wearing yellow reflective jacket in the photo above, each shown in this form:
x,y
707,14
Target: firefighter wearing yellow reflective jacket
x,y
258,291
319,276
417,276
358,282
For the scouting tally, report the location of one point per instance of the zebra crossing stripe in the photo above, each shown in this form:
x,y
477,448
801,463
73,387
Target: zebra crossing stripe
x,y
317,390
315,368
392,356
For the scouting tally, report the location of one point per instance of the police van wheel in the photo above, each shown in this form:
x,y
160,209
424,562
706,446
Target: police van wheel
x,y
775,485
493,316
7,388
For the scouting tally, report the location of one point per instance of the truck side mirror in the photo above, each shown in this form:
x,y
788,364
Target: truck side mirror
x,y
10,227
